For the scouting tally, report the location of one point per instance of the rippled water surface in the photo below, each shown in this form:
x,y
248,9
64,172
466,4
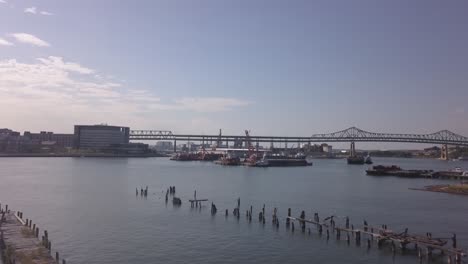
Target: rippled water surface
x,y
89,207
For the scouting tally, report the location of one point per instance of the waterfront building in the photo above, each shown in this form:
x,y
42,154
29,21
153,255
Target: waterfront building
x,y
50,138
100,136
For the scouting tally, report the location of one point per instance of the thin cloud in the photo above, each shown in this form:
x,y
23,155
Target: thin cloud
x,y
58,63
45,13
30,39
4,42
3,2
52,83
31,10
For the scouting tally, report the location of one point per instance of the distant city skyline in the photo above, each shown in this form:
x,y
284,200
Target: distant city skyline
x,y
273,67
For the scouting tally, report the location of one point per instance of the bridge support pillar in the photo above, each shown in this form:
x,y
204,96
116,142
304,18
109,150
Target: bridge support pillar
x,y
175,146
444,152
352,149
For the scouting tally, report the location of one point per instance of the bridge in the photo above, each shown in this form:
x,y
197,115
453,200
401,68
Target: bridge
x,y
352,134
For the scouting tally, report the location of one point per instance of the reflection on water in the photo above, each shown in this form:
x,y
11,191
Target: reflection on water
x,y
92,214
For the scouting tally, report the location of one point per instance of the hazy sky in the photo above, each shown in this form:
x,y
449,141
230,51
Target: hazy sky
x,y
274,67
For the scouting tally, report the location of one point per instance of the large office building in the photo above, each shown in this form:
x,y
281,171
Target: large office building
x,y
100,136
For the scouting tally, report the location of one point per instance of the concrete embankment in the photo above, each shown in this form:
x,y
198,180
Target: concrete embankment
x,y
20,241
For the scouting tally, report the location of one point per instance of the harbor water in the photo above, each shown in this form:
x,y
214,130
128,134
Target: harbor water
x,y
89,207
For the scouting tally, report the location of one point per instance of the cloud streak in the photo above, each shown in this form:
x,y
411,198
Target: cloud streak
x,y
34,11
45,13
4,42
31,10
30,39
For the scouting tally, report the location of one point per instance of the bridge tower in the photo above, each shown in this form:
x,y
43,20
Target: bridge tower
x,y
352,150
444,152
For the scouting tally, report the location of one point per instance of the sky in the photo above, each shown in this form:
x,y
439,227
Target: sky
x,y
292,68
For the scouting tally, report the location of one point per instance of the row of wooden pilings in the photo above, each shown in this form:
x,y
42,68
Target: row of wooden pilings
x,y
351,232
35,231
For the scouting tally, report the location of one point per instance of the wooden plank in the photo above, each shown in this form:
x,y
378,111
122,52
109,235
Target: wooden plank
x,y
198,200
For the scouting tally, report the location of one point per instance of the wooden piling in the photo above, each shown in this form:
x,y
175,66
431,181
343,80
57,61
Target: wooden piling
x,y
57,256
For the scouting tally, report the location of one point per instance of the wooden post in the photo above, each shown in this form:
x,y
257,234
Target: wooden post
x,y
27,222
49,246
6,208
429,252
368,243
37,232
64,262
289,215
226,212
347,238
57,257
292,226
328,234
30,223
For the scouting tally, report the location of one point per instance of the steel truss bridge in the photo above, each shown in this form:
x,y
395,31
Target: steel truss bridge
x,y
353,134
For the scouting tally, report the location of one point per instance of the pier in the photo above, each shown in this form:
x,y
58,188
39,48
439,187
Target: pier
x,y
20,243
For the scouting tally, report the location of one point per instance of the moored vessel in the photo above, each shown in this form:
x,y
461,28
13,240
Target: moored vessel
x,y
356,160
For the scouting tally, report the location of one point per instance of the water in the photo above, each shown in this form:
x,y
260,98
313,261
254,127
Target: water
x,y
93,216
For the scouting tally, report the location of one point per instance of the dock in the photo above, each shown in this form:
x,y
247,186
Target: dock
x,y
20,243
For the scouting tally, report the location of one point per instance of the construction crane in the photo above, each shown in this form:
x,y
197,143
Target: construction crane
x,y
248,143
218,142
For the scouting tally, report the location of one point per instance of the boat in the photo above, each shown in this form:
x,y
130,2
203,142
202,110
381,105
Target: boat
x,y
282,160
184,156
229,159
383,170
209,156
368,159
356,160
463,158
